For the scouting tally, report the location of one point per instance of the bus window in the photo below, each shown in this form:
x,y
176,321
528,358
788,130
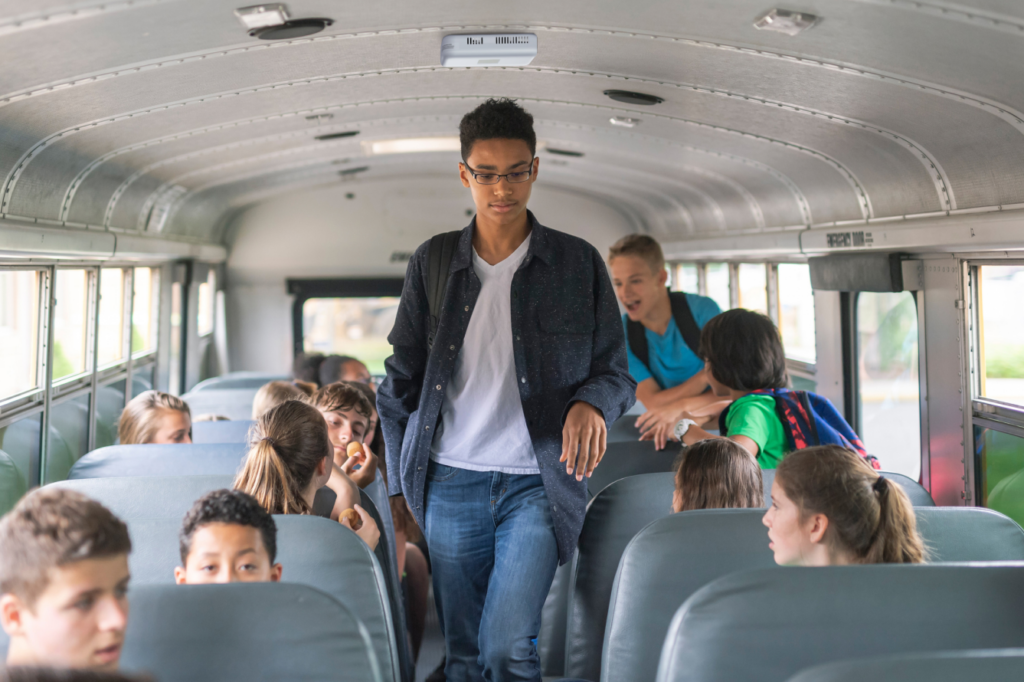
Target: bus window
x,y
69,323
204,320
1001,332
145,303
19,331
796,312
717,276
358,327
687,279
753,287
68,436
1001,459
889,396
111,327
174,357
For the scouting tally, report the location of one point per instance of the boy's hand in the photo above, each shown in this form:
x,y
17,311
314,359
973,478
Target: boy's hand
x,y
367,463
584,439
659,425
369,532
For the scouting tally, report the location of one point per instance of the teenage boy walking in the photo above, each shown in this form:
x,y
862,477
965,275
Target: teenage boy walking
x,y
492,430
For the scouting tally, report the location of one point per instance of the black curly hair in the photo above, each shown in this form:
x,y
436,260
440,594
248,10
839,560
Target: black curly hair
x,y
227,506
497,118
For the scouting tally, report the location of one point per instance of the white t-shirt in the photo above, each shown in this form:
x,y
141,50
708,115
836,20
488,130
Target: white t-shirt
x,y
482,423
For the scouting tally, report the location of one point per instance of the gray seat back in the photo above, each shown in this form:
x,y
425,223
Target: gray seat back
x,y
221,432
156,497
675,556
613,518
236,380
991,665
245,633
630,458
919,497
313,551
623,430
767,625
233,403
551,636
161,460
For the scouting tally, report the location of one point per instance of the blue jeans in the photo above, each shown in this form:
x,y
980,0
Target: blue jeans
x,y
493,555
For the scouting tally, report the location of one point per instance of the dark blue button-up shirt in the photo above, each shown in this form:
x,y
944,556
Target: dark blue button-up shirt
x,y
568,344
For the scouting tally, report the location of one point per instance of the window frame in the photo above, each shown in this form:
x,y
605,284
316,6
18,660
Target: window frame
x,y
49,394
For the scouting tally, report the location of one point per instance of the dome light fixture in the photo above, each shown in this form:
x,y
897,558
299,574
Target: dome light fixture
x,y
628,97
786,21
273,22
624,121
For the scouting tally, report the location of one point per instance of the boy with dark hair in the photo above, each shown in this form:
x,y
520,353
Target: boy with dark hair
x,y
348,412
745,363
63,581
227,537
488,396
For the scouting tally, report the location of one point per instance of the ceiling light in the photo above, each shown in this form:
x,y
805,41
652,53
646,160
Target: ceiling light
x,y
273,22
410,145
633,97
564,152
624,121
337,136
786,21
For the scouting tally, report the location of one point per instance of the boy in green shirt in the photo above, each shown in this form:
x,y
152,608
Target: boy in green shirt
x,y
743,353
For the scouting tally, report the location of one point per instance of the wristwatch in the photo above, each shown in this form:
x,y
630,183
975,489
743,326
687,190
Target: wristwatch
x,y
682,426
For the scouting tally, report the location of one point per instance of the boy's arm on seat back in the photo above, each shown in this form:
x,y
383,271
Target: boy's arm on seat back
x,y
399,394
610,388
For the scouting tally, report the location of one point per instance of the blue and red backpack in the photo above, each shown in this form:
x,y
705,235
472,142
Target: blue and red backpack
x,y
810,419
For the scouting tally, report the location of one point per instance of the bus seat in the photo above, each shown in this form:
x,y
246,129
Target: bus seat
x,y
157,497
623,430
991,665
613,518
233,403
160,460
629,458
12,483
221,432
969,534
675,556
312,551
767,625
236,380
245,632
919,497
551,637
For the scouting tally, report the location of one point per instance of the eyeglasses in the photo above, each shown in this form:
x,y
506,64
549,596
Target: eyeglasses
x,y
494,178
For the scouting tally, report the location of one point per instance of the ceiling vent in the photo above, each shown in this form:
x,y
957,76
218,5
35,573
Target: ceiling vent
x,y
786,21
628,97
273,22
353,171
489,49
563,152
337,136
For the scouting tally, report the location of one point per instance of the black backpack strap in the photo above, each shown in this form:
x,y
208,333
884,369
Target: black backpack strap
x,y
439,261
685,321
636,336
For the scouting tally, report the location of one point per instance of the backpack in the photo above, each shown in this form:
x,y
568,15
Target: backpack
x,y
810,419
439,260
636,335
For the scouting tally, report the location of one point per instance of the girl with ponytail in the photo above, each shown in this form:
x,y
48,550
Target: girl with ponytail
x,y
290,458
829,507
